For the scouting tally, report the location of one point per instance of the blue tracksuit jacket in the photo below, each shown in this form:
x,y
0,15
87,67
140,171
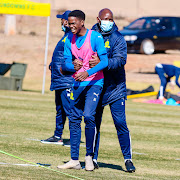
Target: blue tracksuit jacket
x,y
58,80
171,71
114,78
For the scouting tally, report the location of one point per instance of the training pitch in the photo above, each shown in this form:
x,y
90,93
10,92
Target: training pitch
x,y
28,117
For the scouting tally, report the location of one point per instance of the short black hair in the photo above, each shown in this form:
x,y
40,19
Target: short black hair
x,y
77,13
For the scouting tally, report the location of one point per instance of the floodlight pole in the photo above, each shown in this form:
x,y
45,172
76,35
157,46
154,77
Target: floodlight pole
x,y
46,53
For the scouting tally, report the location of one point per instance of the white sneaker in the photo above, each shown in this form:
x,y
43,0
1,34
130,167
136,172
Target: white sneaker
x,y
89,166
72,164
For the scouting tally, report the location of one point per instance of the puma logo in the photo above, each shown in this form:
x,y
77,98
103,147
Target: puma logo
x,y
96,94
68,90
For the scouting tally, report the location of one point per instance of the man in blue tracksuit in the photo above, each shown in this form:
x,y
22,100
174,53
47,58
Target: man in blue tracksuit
x,y
114,90
61,83
165,73
81,45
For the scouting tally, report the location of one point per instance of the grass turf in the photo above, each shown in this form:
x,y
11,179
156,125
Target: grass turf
x,y
27,117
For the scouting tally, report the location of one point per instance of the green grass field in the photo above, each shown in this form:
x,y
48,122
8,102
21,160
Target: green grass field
x,y
26,117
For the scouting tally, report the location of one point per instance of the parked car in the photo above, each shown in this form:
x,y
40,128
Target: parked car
x,y
148,35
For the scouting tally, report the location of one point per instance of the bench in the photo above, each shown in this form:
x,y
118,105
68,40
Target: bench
x,y
15,81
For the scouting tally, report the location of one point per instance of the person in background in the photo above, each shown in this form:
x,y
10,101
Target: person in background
x,y
165,73
80,46
60,83
114,90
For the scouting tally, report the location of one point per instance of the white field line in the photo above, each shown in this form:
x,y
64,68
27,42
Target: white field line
x,y
32,139
24,98
82,145
139,153
1,163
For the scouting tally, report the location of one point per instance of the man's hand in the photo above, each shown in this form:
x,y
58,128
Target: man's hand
x,y
77,64
81,76
94,61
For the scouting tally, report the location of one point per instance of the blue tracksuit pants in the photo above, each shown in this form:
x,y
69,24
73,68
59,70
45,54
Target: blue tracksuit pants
x,y
62,101
119,117
83,102
164,80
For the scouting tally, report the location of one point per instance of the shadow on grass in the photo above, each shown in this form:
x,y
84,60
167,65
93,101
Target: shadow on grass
x,y
111,166
105,165
67,141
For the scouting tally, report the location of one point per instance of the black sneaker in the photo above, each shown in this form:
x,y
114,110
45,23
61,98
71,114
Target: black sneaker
x,y
96,166
129,166
53,140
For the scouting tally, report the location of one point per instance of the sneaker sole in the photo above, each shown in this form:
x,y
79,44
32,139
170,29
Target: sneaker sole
x,y
77,167
58,143
131,171
89,170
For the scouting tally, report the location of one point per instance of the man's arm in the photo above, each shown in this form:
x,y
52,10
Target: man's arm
x,y
119,54
98,46
68,65
101,51
94,61
100,66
